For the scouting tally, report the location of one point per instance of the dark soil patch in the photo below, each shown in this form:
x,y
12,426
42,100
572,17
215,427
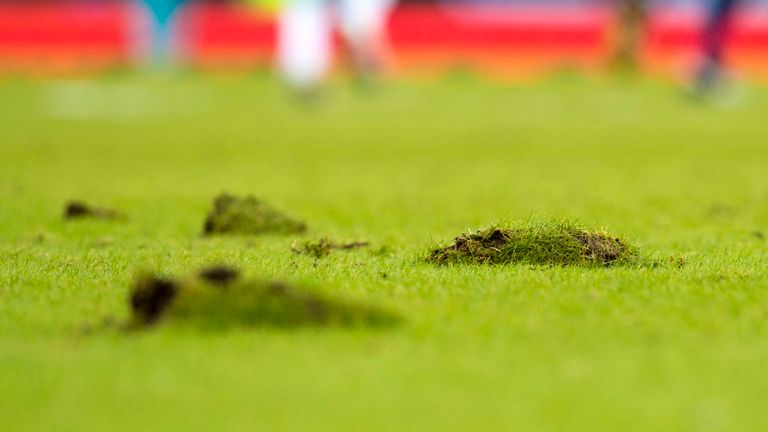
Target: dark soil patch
x,y
151,297
248,215
201,300
324,247
550,243
80,210
220,274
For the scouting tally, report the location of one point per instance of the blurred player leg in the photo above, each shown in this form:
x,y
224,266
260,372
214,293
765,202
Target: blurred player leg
x,y
363,28
632,17
304,44
163,22
713,44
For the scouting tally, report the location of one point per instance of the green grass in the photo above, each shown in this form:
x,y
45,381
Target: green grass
x,y
505,347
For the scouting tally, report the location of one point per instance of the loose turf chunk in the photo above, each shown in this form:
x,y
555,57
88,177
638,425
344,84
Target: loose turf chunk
x,y
76,209
549,243
324,247
217,297
219,274
248,215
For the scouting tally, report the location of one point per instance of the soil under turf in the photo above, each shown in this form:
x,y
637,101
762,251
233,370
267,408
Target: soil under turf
x,y
404,167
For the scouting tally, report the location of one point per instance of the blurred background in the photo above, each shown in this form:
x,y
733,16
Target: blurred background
x,y
508,39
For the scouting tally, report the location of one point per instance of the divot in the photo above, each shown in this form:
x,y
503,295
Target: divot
x,y
324,247
558,243
219,297
248,215
219,274
76,209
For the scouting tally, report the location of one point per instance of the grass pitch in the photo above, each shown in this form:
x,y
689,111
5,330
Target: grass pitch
x,y
508,347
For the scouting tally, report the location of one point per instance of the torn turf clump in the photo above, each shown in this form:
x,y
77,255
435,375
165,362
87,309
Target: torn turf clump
x,y
552,243
80,210
218,297
248,215
324,247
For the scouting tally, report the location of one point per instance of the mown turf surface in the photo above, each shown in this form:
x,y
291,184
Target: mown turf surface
x,y
508,347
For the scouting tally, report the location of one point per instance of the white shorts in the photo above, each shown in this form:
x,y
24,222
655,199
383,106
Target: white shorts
x,y
362,18
304,42
305,45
